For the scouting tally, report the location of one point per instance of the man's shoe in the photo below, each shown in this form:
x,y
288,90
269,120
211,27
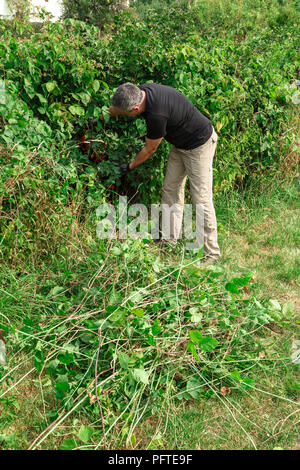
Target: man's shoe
x,y
165,244
208,261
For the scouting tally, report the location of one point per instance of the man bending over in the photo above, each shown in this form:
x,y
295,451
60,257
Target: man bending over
x,y
170,115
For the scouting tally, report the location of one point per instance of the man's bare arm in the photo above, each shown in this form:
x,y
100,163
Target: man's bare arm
x,y
146,152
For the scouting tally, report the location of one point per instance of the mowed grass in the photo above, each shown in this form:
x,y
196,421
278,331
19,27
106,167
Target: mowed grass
x,y
251,423
263,234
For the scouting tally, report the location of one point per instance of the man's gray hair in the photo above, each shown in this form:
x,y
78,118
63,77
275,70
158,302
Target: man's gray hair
x,y
127,97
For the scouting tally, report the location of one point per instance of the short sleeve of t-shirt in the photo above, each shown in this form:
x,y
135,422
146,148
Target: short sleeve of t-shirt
x,y
170,114
156,126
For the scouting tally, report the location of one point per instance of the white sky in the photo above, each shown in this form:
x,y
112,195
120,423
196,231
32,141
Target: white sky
x,y
3,8
53,6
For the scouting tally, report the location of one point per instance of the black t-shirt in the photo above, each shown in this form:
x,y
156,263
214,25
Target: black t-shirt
x,y
171,115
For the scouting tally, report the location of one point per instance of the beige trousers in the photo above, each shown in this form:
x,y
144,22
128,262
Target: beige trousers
x,y
197,165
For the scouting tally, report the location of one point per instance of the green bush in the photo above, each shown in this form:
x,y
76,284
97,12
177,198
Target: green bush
x,y
95,12
242,77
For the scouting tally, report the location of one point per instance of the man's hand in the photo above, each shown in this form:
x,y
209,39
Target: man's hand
x,y
92,123
124,167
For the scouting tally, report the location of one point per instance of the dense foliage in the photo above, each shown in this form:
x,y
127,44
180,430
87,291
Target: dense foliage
x,y
58,77
243,78
95,12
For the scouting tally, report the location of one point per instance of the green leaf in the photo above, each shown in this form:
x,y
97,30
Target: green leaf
x,y
136,296
236,375
55,291
105,113
39,360
139,312
61,388
196,315
85,97
96,86
118,316
85,433
191,348
114,299
42,99
193,387
231,287
195,336
27,82
246,383
156,328
288,308
242,281
69,444
66,358
275,305
141,126
76,110
51,86
97,113
150,340
140,375
208,343
123,359
39,356
116,251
